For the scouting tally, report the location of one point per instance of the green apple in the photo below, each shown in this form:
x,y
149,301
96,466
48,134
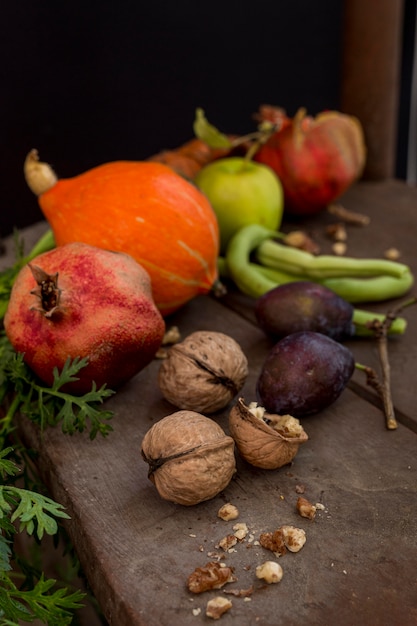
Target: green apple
x,y
241,192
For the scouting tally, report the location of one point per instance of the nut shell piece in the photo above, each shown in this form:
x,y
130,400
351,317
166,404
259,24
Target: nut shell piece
x,y
259,442
204,372
190,457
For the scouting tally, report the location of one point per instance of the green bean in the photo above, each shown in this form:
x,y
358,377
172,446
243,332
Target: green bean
x,y
354,290
254,279
299,262
375,289
247,279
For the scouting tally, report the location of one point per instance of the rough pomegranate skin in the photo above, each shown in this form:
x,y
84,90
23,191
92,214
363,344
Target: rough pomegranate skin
x,y
316,159
105,313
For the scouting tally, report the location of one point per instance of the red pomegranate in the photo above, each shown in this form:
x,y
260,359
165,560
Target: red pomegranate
x,y
81,301
316,159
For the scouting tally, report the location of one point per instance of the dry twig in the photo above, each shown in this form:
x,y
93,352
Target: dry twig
x,y
383,387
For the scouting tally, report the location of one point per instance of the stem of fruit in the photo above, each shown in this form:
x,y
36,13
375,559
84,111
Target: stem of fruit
x,y
45,243
383,387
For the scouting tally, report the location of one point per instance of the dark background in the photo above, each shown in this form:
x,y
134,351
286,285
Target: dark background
x,y
90,82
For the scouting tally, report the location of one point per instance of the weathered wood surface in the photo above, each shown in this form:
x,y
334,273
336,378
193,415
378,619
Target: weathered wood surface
x,y
358,564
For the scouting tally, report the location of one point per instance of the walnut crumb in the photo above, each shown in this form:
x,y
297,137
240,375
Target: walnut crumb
x,y
306,508
301,240
216,607
339,248
212,576
273,541
392,254
228,512
270,572
294,538
227,542
241,530
337,232
240,593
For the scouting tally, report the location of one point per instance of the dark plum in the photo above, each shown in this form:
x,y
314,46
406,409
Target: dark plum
x,y
304,373
304,305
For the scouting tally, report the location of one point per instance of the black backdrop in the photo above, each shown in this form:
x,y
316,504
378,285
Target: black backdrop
x,y
87,82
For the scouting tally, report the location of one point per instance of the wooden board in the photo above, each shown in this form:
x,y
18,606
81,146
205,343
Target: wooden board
x,y
358,564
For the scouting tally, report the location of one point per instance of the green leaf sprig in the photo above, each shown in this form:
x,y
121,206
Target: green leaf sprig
x,y
49,406
25,510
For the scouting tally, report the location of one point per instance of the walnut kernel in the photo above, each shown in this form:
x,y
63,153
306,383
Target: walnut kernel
x,y
274,541
204,372
294,538
228,512
217,606
306,508
212,576
270,572
190,457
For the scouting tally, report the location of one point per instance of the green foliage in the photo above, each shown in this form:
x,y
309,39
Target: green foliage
x,y
52,607
209,133
49,406
33,513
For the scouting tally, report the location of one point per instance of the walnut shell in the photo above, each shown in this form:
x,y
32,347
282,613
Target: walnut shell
x,y
204,372
265,440
190,457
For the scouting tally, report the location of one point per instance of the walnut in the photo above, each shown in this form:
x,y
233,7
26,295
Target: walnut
x,y
212,576
190,457
263,439
204,372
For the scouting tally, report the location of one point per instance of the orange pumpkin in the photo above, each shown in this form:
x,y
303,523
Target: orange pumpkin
x,y
142,208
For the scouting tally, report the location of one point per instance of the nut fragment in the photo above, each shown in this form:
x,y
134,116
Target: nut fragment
x,y
241,530
228,542
294,538
283,538
393,254
190,457
337,232
270,572
299,239
204,372
263,439
212,576
217,606
306,508
228,512
274,541
339,248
